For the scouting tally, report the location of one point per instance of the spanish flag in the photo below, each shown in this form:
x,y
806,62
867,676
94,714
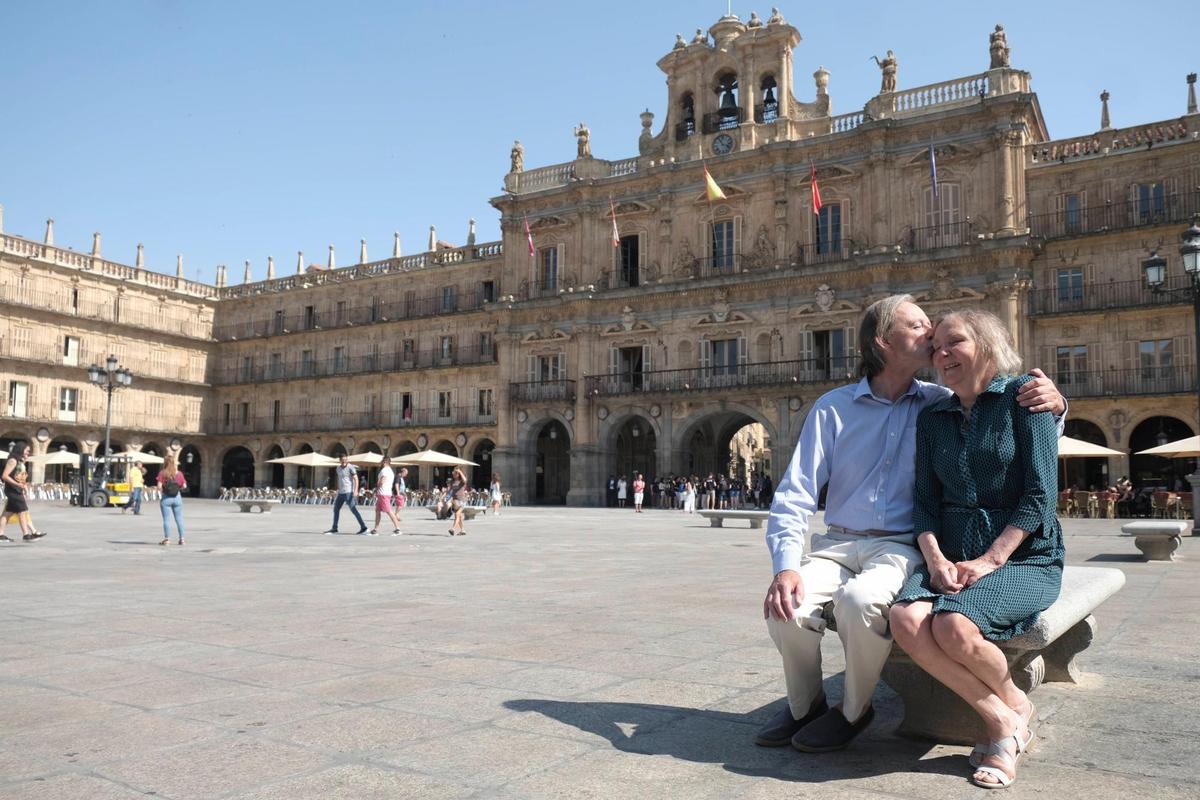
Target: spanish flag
x,y
816,190
711,188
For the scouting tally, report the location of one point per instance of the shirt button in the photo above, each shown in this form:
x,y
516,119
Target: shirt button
x,y
889,461
892,434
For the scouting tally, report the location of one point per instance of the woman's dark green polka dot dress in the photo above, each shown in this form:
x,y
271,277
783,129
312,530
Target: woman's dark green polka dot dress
x,y
975,476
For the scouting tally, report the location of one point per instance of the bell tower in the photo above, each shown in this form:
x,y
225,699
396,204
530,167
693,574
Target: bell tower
x,y
730,89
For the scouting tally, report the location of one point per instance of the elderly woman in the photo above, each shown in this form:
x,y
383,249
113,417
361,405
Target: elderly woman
x,y
984,510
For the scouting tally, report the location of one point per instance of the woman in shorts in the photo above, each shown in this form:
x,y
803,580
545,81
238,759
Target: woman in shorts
x,y
16,481
494,493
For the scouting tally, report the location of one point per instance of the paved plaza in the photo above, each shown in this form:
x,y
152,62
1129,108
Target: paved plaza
x,y
550,653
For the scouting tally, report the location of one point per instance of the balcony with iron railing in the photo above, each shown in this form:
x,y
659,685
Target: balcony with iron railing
x,y
109,311
543,391
1169,209
723,120
934,237
456,416
429,305
332,366
1092,297
722,378
52,354
1157,380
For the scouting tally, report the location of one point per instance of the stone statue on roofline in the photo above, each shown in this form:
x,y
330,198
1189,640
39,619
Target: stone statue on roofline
x,y
776,18
888,69
584,145
998,47
517,156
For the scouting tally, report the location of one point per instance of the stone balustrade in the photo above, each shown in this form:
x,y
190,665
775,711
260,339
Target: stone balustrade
x,y
1113,141
845,122
921,99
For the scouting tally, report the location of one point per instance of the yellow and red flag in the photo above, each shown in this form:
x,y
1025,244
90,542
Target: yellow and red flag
x,y
816,190
711,187
616,237
529,236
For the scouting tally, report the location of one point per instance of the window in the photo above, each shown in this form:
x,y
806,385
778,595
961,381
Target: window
x,y
71,351
75,300
307,365
548,260
245,413
1071,362
1151,200
728,110
547,368
445,403
337,407
446,348
276,414
1156,358
409,351
829,229
486,401
278,322
486,353
828,354
276,367
339,313
193,411
1070,286
310,317
67,400
943,209
158,407
628,365
768,110
225,412
304,409
410,303
375,308
724,356
22,339
487,292
449,299
687,126
627,260
1073,213
373,357
340,362
247,368
723,250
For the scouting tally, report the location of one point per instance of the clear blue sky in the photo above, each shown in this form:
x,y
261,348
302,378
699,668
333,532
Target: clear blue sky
x,y
233,131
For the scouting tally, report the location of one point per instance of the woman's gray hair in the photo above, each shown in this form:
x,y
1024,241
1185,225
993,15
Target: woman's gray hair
x,y
877,324
991,337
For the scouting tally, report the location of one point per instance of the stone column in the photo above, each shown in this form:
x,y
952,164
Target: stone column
x,y
37,471
587,476
291,474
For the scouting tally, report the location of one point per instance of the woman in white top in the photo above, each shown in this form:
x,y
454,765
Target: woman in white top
x,y
689,497
621,491
383,497
494,493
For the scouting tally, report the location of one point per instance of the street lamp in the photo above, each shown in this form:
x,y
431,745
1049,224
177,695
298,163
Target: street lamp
x,y
1156,268
110,377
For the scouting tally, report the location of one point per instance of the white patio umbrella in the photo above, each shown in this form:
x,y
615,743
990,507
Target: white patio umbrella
x,y
369,459
306,460
3,454
137,455
57,457
1184,448
1077,448
432,458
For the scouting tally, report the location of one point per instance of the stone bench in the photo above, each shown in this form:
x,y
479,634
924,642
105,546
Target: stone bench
x,y
469,512
716,519
1158,539
264,506
1046,652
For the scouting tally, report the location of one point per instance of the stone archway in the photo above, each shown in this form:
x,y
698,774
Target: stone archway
x,y
59,473
635,449
277,470
552,466
154,449
237,468
1156,471
1087,474
481,476
414,473
441,475
731,441
305,476
190,465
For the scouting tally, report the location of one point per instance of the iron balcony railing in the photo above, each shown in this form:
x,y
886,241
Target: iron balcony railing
x,y
430,305
1104,296
1161,210
543,391
739,376
685,129
1128,382
724,120
358,420
950,234
142,368
823,252
332,366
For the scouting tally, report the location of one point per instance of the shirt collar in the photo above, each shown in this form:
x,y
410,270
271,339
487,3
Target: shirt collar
x,y
998,385
863,389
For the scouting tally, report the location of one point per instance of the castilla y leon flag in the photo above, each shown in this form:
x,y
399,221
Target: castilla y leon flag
x,y
816,190
529,236
616,237
933,169
711,188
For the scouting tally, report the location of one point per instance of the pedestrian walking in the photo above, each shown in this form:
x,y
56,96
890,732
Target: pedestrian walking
x,y
639,491
495,494
689,496
171,482
401,489
347,492
384,486
16,490
137,483
458,498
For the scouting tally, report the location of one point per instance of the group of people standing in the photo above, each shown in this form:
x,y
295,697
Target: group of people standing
x,y
689,492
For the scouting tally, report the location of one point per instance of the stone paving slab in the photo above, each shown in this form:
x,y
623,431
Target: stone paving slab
x,y
573,653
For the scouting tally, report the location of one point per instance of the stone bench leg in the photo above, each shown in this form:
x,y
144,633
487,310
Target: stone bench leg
x,y
265,509
1059,657
1157,548
716,522
244,509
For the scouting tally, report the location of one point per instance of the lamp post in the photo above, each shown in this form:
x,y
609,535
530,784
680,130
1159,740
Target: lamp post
x,y
110,377
1156,268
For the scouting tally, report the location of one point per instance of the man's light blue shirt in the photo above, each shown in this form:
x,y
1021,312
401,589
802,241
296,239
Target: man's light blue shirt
x,y
864,446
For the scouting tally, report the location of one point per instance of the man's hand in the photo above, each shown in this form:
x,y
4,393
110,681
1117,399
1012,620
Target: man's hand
x,y
1040,394
944,577
971,571
780,603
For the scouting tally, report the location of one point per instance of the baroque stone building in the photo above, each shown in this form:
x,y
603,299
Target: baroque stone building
x,y
625,321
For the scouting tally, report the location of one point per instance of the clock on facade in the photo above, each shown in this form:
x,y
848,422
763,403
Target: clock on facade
x,y
722,144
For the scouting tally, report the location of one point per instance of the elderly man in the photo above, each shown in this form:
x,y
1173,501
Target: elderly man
x,y
860,439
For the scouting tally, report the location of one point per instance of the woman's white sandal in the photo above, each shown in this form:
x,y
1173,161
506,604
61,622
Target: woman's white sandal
x,y
997,748
980,750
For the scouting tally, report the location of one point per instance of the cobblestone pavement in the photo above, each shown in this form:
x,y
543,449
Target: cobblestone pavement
x,y
581,653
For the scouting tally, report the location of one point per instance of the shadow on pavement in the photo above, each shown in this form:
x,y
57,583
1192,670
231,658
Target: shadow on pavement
x,y
1117,557
725,738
